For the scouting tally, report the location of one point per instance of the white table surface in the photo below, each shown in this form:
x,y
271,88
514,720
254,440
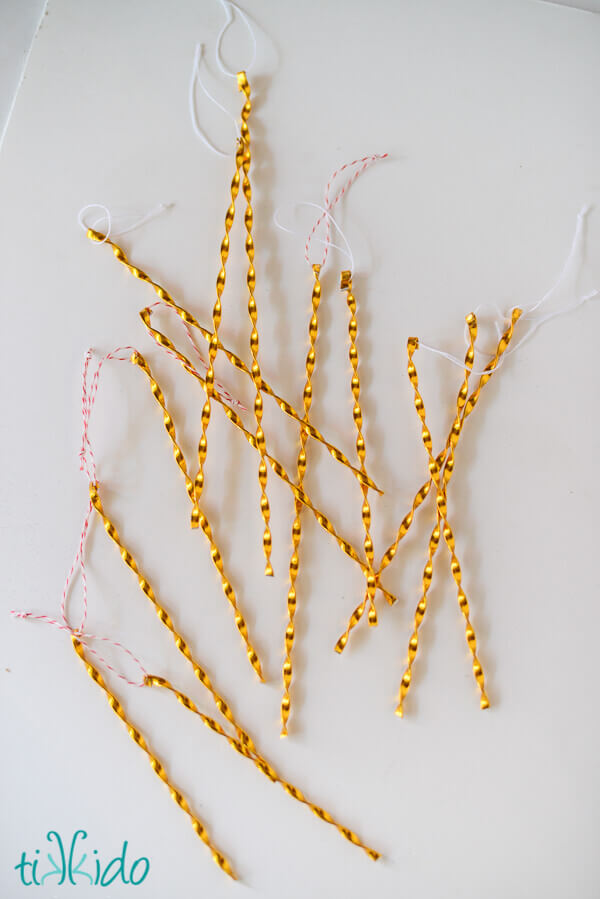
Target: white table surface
x,y
489,112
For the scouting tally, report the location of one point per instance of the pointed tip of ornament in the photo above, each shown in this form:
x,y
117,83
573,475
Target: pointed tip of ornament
x,y
399,711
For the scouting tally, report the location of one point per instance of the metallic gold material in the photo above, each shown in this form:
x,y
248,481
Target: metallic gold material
x,y
420,497
369,599
240,622
436,477
214,342
264,766
165,618
441,479
313,330
277,467
234,360
423,490
244,86
157,765
243,743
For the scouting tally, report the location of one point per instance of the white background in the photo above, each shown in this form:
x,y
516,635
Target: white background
x,y
489,112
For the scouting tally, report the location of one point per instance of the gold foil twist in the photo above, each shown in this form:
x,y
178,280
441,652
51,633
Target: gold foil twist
x,y
157,765
214,343
464,408
165,618
243,744
423,491
240,622
277,467
234,360
435,473
313,330
266,768
244,86
369,598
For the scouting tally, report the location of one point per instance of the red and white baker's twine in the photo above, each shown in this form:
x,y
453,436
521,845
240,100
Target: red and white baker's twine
x,y
223,391
89,390
362,163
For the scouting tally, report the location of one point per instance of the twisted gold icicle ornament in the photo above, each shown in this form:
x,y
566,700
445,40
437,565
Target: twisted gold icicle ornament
x,y
266,768
165,618
200,517
470,405
442,513
313,330
243,744
369,599
157,766
234,360
423,490
277,467
214,342
434,470
462,413
244,86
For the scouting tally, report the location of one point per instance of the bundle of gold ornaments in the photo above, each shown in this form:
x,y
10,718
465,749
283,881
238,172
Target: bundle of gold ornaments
x,y
440,468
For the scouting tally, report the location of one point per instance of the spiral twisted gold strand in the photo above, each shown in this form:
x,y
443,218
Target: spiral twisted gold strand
x,y
266,768
165,619
470,405
442,513
153,680
387,558
214,343
423,491
244,744
488,371
313,330
389,554
463,603
462,413
277,467
434,471
200,517
265,509
369,599
234,360
157,765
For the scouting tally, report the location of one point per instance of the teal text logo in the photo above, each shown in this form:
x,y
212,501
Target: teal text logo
x,y
69,862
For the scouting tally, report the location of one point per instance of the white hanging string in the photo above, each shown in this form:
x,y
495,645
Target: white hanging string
x,y
106,217
228,6
575,252
358,166
197,79
346,251
109,219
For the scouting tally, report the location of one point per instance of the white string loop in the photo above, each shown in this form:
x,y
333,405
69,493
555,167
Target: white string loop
x,y
228,6
196,78
346,251
109,219
576,252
